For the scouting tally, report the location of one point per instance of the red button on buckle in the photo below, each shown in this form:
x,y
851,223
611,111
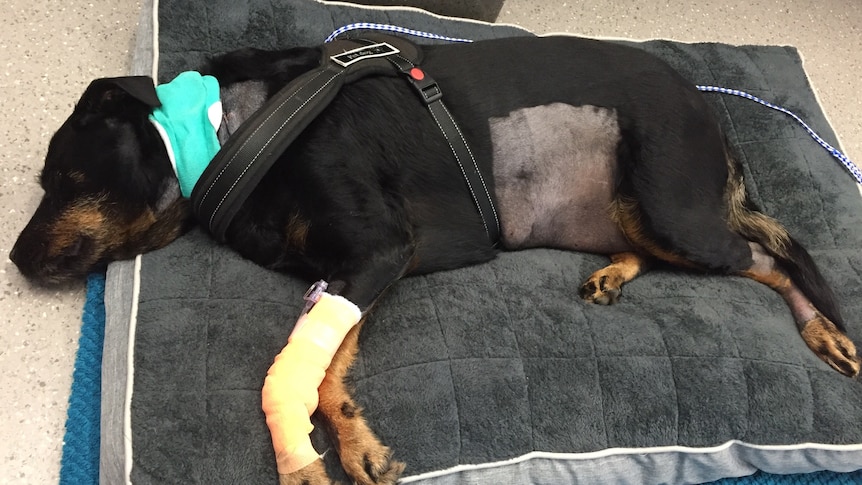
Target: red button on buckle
x,y
417,74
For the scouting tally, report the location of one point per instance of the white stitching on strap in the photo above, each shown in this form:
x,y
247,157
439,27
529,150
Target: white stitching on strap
x,y
254,159
460,166
221,172
475,165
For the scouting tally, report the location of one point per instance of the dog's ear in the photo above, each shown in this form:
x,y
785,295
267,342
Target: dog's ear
x,y
113,94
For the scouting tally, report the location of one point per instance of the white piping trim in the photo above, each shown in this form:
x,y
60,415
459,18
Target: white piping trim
x,y
629,451
414,9
155,71
516,26
130,371
128,451
635,39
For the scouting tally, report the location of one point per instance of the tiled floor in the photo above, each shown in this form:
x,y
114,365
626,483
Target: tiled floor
x,y
50,50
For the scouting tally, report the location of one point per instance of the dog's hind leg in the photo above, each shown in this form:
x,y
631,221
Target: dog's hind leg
x,y
776,261
697,215
781,263
605,285
825,338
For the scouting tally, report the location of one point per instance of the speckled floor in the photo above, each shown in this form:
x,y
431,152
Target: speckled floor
x,y
50,50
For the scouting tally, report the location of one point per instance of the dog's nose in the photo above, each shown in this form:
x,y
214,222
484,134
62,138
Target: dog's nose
x,y
13,254
27,253
19,258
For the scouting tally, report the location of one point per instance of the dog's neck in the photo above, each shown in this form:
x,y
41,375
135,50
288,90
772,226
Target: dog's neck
x,y
239,101
197,117
187,121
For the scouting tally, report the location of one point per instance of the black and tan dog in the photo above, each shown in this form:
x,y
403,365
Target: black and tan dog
x,y
634,166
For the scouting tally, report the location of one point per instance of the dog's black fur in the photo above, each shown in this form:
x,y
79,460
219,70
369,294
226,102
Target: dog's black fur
x,y
369,192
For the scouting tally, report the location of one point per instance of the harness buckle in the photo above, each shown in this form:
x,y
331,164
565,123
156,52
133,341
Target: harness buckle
x,y
430,93
425,85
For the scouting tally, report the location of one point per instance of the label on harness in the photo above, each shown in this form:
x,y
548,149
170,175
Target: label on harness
x,y
377,50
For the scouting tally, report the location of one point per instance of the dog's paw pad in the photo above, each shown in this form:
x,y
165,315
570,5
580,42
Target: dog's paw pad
x,y
601,289
831,345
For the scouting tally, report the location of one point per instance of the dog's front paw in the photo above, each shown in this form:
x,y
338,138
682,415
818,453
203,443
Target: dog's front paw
x,y
831,345
312,474
370,463
603,288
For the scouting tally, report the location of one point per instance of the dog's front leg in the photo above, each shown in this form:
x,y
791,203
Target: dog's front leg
x,y
364,458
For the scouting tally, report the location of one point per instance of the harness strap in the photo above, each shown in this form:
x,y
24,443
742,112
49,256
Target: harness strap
x,y
249,153
246,157
431,94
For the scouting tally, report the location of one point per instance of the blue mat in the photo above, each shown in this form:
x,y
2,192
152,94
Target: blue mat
x,y
818,478
80,462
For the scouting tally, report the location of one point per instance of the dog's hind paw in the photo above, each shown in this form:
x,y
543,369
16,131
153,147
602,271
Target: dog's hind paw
x,y
831,345
602,288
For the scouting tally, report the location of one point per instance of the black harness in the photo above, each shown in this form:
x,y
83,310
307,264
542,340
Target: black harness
x,y
249,153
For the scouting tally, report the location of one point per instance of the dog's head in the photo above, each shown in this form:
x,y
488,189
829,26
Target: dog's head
x,y
110,191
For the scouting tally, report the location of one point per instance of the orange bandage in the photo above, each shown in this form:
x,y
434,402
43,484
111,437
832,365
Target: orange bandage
x,y
289,395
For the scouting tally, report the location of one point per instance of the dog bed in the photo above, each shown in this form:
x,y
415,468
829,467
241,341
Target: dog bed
x,y
498,373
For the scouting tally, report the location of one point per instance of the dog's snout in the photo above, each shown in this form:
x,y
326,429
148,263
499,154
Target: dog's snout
x,y
49,248
44,263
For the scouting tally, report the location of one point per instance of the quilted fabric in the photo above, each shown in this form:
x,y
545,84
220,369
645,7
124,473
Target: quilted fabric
x,y
489,363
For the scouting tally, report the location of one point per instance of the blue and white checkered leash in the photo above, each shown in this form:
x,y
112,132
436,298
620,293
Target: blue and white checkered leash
x,y
849,165
391,28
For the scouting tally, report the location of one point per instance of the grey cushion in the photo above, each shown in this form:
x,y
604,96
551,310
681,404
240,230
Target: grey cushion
x,y
498,373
